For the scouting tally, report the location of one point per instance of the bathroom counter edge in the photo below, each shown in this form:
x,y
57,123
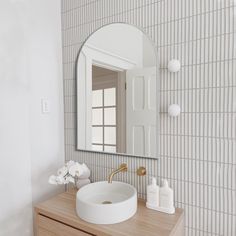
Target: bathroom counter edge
x,y
61,208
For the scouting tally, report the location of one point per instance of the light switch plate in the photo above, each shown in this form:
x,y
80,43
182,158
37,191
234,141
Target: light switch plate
x,y
45,106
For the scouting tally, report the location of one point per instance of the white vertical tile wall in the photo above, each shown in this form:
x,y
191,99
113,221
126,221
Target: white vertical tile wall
x,y
197,149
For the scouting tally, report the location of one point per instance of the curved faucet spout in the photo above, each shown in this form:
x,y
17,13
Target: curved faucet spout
x,y
123,167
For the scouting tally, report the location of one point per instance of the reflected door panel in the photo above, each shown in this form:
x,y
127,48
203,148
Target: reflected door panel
x,y
141,111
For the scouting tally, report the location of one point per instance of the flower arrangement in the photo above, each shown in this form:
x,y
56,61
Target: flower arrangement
x,y
70,173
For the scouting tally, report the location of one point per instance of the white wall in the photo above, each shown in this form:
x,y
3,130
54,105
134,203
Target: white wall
x,y
149,56
121,39
127,41
31,144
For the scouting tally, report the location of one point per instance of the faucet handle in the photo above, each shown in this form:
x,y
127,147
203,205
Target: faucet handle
x,y
141,171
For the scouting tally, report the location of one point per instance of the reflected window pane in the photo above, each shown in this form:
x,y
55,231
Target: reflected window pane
x,y
97,148
97,135
110,116
97,98
97,116
110,97
110,135
109,148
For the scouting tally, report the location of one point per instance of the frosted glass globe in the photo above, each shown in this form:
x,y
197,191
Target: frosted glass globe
x,y
174,65
174,110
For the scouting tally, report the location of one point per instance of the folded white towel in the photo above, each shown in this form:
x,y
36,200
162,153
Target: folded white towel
x,y
82,182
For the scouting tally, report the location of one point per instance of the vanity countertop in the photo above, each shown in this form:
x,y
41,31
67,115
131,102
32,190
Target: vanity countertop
x,y
61,209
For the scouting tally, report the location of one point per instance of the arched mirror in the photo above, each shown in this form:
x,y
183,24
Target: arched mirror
x,y
117,101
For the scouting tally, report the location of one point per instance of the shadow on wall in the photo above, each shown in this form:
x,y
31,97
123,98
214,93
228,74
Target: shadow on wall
x,y
17,222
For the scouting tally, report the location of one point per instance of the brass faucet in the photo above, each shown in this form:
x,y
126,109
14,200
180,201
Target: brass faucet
x,y
123,167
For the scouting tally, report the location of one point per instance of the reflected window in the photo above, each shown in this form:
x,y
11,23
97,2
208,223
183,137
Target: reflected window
x,y
104,124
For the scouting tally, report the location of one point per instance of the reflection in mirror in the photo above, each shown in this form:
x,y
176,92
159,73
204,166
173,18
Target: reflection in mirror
x,y
117,92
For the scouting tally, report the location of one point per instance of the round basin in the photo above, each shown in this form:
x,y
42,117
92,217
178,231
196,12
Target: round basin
x,y
106,203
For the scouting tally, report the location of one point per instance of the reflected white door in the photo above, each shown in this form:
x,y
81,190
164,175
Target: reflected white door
x,y
141,111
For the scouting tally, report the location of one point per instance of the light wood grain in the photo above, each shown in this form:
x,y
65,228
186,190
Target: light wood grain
x,y
146,222
48,227
44,232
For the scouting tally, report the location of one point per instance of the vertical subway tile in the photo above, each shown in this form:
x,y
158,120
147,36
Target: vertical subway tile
x,y
197,149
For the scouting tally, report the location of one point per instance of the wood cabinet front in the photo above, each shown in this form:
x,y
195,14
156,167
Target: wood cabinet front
x,y
48,227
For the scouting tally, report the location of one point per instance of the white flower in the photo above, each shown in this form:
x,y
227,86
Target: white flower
x,y
75,170
70,179
63,171
60,179
68,173
52,180
86,169
69,164
57,180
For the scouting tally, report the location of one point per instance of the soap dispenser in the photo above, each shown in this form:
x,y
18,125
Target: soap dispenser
x,y
166,198
152,194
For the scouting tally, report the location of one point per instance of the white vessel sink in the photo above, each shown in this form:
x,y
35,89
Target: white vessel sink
x,y
106,203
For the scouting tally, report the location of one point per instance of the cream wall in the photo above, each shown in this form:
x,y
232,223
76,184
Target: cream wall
x,y
31,144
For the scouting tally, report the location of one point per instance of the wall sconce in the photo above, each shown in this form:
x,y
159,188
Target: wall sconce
x,y
174,110
174,65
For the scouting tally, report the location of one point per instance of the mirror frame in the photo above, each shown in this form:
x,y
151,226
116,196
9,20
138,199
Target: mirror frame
x,y
157,95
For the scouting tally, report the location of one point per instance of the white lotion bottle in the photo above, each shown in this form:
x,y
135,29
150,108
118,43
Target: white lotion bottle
x,y
153,194
166,198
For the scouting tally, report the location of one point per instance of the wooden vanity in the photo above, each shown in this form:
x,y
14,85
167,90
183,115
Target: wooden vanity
x,y
57,217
